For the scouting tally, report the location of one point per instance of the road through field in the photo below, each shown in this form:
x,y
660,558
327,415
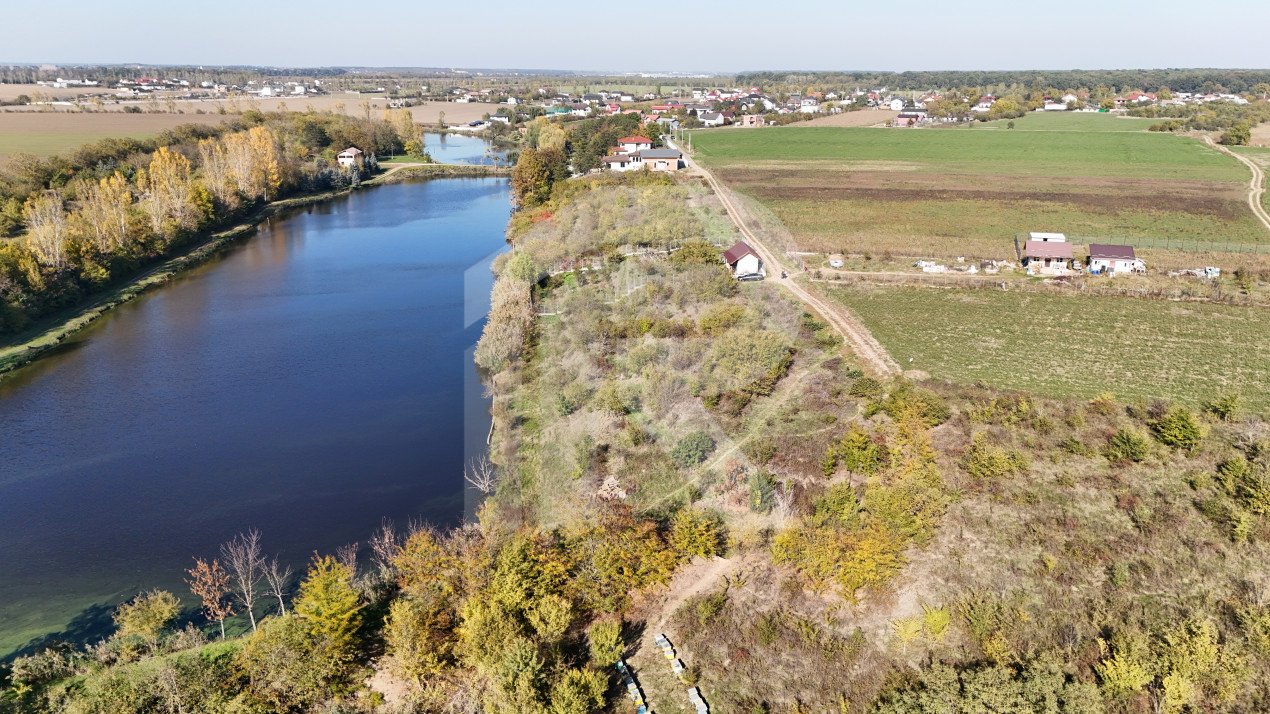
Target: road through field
x,y
1256,188
843,320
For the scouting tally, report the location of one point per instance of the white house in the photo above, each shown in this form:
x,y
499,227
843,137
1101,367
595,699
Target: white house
x,y
897,104
1114,260
351,157
621,162
712,119
1047,257
633,144
809,105
743,261
1055,106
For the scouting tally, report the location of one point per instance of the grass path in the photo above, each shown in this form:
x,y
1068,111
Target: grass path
x,y
1256,188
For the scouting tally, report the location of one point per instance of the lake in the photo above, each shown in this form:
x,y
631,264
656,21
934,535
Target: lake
x,y
313,381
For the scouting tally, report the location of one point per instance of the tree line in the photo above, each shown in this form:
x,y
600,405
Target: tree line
x,y
82,222
1236,81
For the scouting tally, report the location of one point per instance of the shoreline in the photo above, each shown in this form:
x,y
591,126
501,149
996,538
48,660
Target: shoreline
x,y
59,329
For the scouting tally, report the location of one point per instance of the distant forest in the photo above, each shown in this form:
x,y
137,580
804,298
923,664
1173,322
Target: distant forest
x,y
1237,81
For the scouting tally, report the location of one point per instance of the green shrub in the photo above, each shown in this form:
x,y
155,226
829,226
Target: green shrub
x,y
760,450
857,451
1223,407
865,388
1178,428
1127,445
987,462
692,449
762,491
696,533
931,407
719,318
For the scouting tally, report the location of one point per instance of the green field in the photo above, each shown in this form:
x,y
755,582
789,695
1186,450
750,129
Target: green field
x,y
1072,345
1151,156
951,192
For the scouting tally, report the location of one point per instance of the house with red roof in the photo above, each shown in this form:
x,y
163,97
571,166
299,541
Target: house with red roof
x,y
744,261
632,144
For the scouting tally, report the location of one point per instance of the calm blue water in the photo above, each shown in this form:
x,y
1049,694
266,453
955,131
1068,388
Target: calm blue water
x,y
460,149
310,383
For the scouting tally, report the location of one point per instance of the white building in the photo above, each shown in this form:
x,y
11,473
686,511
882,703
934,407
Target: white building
x,y
743,261
351,157
1114,260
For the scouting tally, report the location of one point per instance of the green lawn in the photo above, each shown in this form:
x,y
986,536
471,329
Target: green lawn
x,y
1073,345
1023,153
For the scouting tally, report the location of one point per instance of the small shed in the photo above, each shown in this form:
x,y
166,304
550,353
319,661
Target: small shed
x,y
743,260
1114,260
1047,257
1047,237
351,157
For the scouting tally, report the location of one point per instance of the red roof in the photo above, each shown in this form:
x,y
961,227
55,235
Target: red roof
x,y
738,251
1047,249
635,140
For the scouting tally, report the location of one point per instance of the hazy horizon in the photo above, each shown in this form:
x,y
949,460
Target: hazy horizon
x,y
572,35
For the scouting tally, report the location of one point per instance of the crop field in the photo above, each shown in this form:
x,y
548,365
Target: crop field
x,y
1072,345
958,191
1062,121
865,117
47,133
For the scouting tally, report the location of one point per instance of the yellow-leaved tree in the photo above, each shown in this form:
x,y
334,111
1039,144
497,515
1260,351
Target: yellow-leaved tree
x,y
46,226
105,212
171,198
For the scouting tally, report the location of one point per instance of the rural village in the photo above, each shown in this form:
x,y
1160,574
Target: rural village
x,y
858,392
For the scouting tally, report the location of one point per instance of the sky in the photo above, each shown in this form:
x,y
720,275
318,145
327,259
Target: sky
x,y
594,35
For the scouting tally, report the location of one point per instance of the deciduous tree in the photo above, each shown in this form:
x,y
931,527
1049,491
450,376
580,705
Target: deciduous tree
x,y
210,583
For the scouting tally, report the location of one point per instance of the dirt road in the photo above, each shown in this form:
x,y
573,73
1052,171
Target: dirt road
x,y
858,337
1256,188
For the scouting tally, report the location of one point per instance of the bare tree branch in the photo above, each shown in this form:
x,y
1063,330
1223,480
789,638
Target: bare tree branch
x,y
482,475
347,555
246,565
277,576
385,545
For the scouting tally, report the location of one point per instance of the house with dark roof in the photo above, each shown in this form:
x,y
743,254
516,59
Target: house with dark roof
x,y
661,159
1047,257
1114,260
743,260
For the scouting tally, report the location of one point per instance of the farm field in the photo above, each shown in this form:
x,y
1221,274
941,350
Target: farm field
x,y
1072,345
1261,135
47,133
352,104
1063,121
9,92
865,117
954,192
1261,155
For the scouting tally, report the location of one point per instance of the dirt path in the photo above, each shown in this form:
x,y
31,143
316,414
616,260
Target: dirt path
x,y
1256,188
696,579
843,320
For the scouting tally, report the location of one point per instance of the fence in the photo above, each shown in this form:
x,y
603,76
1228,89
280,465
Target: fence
x,y
1178,244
